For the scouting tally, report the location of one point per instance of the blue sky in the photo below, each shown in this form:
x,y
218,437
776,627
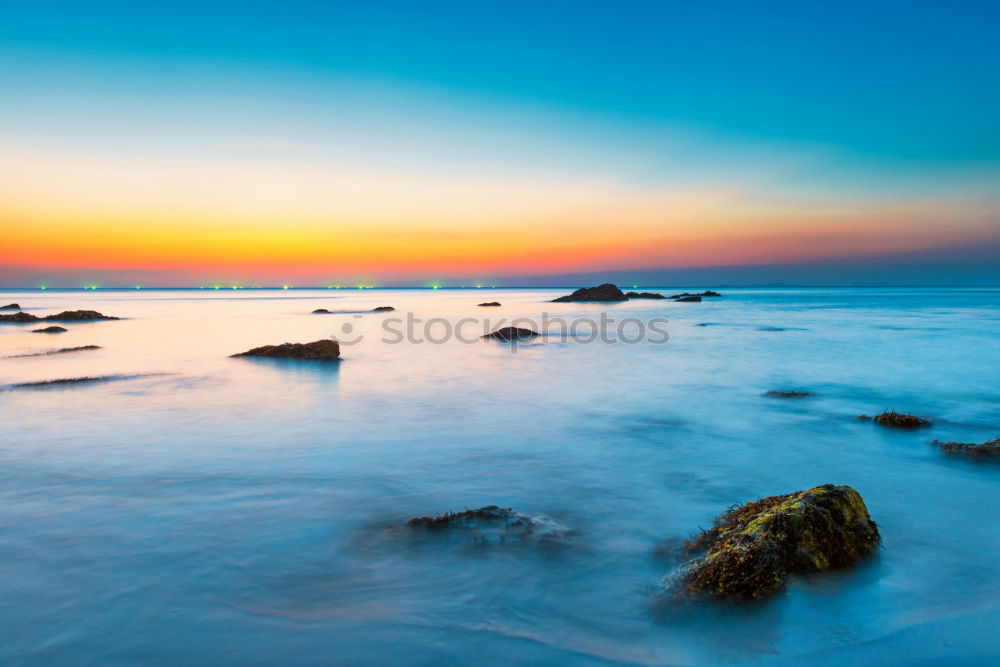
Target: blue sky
x,y
891,102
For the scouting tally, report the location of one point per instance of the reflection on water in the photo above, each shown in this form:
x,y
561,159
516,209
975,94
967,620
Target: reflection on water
x,y
241,511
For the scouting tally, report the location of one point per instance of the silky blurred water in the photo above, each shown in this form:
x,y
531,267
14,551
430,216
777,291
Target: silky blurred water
x,y
233,512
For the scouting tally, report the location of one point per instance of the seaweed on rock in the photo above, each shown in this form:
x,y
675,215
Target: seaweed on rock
x,y
752,549
898,420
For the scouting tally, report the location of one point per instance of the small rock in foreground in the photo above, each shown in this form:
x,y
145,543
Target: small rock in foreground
x,y
11,306
320,311
511,333
51,329
987,451
752,549
690,299
382,309
320,350
490,303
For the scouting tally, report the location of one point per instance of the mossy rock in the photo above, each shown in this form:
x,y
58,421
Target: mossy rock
x,y
752,549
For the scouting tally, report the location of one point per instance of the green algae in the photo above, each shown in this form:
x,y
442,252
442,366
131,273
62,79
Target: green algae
x,y
752,549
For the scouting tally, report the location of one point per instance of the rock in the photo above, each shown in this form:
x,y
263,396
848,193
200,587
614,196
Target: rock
x,y
59,382
752,549
63,350
788,394
511,333
899,420
321,311
644,295
11,306
78,316
320,350
493,524
383,309
690,299
605,292
490,304
987,451
20,317
52,329
705,293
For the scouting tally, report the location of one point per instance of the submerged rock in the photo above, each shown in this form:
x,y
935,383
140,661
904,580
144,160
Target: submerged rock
x,y
987,451
382,309
62,350
752,549
605,292
490,304
320,350
320,311
511,333
60,382
686,294
690,299
79,316
11,306
897,420
52,329
493,524
774,393
20,317
644,295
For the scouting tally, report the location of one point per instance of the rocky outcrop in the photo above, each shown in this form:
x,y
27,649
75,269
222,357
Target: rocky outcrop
x,y
320,350
897,420
605,292
511,333
11,306
689,299
644,295
987,451
490,304
382,309
51,329
775,393
20,317
321,311
705,293
65,316
78,316
752,549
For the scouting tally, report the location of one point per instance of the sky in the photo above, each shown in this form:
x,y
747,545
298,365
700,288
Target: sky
x,y
403,143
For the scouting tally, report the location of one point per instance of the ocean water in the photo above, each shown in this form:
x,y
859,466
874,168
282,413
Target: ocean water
x,y
210,510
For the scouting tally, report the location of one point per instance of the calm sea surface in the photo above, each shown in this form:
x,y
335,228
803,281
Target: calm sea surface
x,y
237,512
